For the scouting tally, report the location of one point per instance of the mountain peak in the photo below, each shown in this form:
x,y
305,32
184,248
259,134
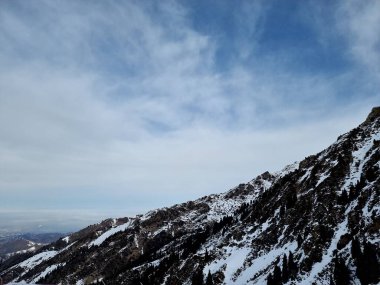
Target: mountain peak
x,y
374,114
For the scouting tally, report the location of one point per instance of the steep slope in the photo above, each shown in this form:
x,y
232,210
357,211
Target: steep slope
x,y
315,222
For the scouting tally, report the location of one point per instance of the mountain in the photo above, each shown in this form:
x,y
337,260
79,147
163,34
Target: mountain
x,y
16,243
315,222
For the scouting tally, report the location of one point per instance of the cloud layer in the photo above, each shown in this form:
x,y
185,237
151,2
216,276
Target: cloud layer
x,y
134,105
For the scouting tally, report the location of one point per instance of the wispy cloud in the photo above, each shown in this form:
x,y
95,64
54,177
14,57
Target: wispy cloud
x,y
359,22
106,105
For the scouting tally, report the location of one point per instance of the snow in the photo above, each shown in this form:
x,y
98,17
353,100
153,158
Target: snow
x,y
136,241
47,271
283,233
37,259
31,249
287,169
263,261
267,184
328,255
66,239
368,211
360,158
109,233
220,208
154,263
67,247
322,178
264,226
166,227
233,262
306,175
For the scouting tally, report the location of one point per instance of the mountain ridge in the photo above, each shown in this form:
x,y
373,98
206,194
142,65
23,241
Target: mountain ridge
x,y
316,221
16,243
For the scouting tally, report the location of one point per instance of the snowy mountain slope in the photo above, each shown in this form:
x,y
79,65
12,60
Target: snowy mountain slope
x,y
315,222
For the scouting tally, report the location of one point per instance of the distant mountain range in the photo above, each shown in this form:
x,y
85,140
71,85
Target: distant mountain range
x,y
315,222
17,243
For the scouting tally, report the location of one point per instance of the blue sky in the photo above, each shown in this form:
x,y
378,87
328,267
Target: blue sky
x,y
111,108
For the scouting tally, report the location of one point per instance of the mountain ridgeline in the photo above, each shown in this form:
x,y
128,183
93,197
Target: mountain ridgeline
x,y
315,222
13,244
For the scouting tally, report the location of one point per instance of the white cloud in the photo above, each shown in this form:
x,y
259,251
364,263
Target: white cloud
x,y
358,21
124,100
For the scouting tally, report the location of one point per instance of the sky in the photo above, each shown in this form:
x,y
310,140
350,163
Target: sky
x,y
113,108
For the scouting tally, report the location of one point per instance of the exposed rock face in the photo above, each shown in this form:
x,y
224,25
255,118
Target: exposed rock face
x,y
375,113
314,222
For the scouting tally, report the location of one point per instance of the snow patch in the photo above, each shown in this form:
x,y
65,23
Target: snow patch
x,y
360,158
234,260
37,259
264,226
306,175
267,184
109,233
47,271
322,178
136,241
287,169
263,261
